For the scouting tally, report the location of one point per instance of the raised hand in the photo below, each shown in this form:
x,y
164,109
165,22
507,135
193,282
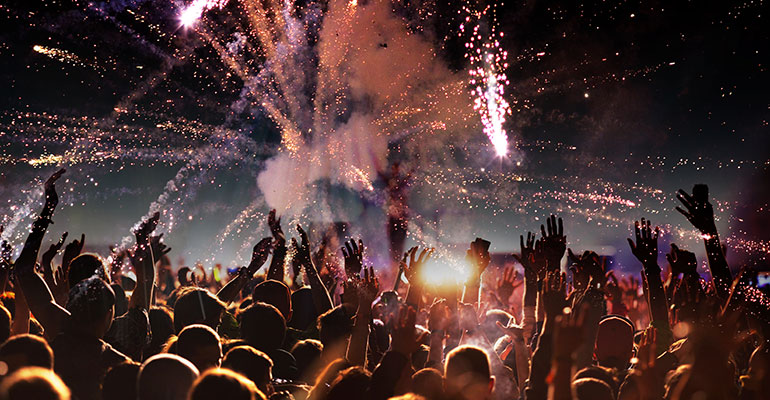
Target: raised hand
x,y
303,248
507,284
72,250
568,335
6,251
414,266
479,258
275,229
354,257
613,288
586,268
554,242
438,316
159,249
698,210
527,256
51,197
46,258
681,261
259,255
142,233
368,288
404,337
645,249
512,330
648,379
553,294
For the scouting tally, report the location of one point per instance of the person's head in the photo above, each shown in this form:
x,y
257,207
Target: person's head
x,y
274,293
197,306
467,375
33,383
86,266
303,311
614,342
262,326
5,324
91,305
200,345
251,363
220,383
25,351
120,382
165,377
162,327
351,383
121,300
334,329
308,355
591,389
601,373
428,383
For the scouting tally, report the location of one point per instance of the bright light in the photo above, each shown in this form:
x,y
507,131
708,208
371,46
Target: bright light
x,y
441,273
190,15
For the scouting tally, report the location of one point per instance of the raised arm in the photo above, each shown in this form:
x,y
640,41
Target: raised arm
x,y
353,256
148,250
554,301
276,271
527,260
46,261
479,258
259,255
321,298
20,323
367,287
404,342
412,271
568,337
39,298
6,253
700,213
554,242
645,249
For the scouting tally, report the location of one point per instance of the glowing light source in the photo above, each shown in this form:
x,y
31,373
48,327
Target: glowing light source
x,y
438,273
193,12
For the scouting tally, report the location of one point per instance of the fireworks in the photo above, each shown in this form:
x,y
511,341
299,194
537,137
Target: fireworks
x,y
193,12
65,56
349,86
488,63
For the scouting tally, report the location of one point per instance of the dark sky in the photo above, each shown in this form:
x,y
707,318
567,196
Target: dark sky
x,y
615,105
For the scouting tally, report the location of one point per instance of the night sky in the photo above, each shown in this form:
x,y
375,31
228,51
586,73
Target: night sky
x,y
614,106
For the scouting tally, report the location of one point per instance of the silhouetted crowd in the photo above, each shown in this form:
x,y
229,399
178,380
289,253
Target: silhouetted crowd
x,y
317,323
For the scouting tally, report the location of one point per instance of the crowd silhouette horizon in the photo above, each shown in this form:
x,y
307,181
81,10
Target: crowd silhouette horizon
x,y
311,320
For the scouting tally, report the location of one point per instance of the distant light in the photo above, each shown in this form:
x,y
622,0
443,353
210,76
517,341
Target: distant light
x,y
585,95
633,15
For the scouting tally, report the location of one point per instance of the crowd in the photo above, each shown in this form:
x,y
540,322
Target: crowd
x,y
307,330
